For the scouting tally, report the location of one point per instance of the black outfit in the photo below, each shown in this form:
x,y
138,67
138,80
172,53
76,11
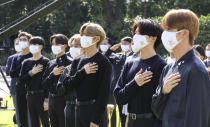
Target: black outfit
x,y
35,92
139,98
187,105
117,63
20,89
70,96
56,103
91,90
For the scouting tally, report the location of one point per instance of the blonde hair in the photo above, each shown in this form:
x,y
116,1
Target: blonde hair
x,y
93,29
75,37
182,19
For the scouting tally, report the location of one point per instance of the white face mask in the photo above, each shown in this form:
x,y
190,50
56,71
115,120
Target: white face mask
x,y
75,52
134,48
125,48
86,41
139,41
208,53
23,44
169,40
104,48
34,49
18,48
56,49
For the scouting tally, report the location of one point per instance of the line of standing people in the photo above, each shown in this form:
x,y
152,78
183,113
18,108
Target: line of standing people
x,y
73,89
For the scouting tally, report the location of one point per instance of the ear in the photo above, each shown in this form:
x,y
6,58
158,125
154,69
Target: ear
x,y
41,47
65,45
151,38
186,33
96,39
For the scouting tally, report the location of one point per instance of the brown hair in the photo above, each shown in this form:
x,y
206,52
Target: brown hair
x,y
93,29
25,34
59,39
182,19
75,37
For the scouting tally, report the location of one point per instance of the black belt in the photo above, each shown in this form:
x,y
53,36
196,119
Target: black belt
x,y
35,92
82,103
70,102
140,116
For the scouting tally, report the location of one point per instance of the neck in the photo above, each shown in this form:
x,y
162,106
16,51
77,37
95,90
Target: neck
x,y
25,51
60,54
147,52
181,50
37,56
91,51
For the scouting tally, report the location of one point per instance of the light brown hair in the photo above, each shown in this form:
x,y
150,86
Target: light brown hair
x,y
75,37
25,34
182,19
93,29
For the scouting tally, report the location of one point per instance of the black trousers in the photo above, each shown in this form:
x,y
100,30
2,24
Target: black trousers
x,y
122,116
84,114
152,122
22,106
36,110
56,111
69,113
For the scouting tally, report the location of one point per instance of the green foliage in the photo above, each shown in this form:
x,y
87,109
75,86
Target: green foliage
x,y
116,17
204,34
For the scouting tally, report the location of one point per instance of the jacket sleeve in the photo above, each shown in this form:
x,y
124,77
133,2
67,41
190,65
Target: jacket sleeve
x,y
15,69
8,65
159,99
102,93
197,101
124,90
24,74
61,90
48,77
72,80
113,60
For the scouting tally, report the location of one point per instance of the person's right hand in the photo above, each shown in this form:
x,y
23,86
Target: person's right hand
x,y
142,78
115,47
110,108
36,69
171,82
91,68
58,70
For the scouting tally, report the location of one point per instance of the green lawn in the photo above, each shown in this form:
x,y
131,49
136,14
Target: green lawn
x,y
6,116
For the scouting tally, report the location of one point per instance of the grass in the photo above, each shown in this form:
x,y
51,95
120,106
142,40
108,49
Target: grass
x,y
6,116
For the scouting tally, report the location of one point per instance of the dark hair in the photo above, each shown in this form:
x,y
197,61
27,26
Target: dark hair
x,y
25,34
59,39
37,40
199,49
128,39
109,41
150,28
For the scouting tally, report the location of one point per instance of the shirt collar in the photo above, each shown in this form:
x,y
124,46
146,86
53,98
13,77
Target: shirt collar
x,y
187,56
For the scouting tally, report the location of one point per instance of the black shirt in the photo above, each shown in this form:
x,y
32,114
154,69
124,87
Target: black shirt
x,y
32,83
187,105
92,86
17,63
49,79
127,91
